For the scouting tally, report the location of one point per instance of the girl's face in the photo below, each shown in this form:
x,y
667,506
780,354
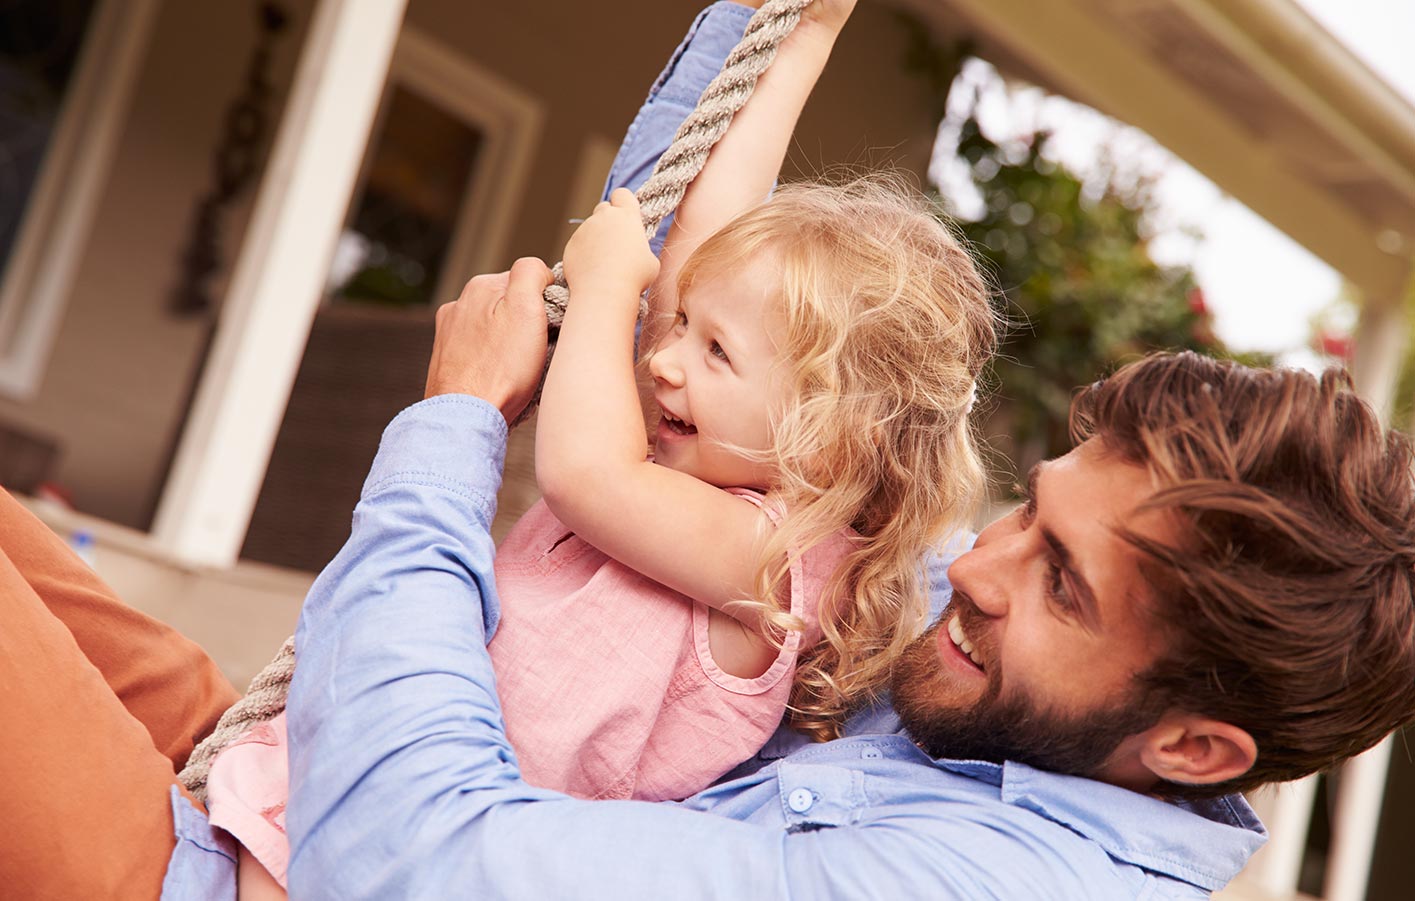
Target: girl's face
x,y
716,382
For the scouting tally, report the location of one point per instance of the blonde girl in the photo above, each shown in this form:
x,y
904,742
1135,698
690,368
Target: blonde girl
x,y
821,348
821,354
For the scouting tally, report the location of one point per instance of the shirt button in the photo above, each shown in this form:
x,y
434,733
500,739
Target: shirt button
x,y
800,800
871,754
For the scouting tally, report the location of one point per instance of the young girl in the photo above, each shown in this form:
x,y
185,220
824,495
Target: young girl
x,y
813,360
662,614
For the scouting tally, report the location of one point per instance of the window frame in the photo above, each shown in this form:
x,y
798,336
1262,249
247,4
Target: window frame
x,y
59,213
509,121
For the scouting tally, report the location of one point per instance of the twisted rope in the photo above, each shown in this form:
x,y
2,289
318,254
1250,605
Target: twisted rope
x,y
264,700
685,157
659,196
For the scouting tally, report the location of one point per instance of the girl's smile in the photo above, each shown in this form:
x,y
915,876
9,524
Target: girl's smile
x,y
716,382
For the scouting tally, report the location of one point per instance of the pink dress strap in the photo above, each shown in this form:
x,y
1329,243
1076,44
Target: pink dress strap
x,y
247,790
607,681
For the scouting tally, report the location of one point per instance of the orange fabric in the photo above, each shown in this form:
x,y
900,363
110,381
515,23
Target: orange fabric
x,y
99,703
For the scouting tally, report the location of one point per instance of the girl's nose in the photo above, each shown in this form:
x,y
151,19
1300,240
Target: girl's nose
x,y
664,365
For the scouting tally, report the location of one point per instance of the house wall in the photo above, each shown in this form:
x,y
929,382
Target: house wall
x,y
117,386
592,63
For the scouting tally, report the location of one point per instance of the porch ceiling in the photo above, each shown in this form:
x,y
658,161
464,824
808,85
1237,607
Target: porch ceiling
x,y
1253,93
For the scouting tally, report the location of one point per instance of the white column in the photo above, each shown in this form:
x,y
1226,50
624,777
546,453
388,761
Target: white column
x,y
1358,813
1286,810
1382,336
278,281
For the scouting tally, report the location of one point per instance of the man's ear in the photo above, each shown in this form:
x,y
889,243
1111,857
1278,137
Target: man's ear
x,y
1197,750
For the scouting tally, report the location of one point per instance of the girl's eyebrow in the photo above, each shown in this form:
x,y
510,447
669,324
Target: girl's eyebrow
x,y
728,336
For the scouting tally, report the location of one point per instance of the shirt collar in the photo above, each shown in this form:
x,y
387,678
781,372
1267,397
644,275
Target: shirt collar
x,y
1203,843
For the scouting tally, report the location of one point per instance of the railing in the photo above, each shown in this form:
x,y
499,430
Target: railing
x,y
1287,811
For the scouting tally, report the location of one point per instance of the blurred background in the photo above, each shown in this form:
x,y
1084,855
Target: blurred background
x,y
224,228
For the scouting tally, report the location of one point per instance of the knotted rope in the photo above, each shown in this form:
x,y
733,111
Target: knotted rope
x,y
264,700
659,196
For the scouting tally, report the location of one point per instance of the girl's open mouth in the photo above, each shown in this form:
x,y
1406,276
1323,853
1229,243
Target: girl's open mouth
x,y
678,426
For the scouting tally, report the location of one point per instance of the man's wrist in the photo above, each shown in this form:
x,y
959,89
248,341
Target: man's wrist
x,y
460,437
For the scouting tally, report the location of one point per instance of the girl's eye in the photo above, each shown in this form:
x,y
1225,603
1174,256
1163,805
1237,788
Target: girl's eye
x,y
716,350
680,319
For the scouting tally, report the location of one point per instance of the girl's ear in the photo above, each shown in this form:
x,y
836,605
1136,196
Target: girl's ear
x,y
1197,750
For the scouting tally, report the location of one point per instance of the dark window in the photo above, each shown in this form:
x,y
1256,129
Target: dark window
x,y
39,46
415,181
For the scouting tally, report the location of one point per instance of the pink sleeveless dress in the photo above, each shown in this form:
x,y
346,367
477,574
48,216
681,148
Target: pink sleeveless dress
x,y
607,684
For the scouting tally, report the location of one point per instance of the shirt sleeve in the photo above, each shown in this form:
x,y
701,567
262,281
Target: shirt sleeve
x,y
673,96
403,781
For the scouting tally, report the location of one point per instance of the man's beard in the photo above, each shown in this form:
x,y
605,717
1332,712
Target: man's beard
x,y
997,728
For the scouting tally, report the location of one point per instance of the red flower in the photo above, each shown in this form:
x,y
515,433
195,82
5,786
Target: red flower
x,y
1197,305
1334,344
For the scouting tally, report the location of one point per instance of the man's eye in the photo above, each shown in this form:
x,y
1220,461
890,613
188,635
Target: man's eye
x,y
1057,591
716,350
1028,510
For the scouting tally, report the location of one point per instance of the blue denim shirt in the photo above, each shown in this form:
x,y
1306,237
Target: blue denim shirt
x,y
404,784
674,94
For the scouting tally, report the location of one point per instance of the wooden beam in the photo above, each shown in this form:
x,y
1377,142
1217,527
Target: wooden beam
x,y
1095,64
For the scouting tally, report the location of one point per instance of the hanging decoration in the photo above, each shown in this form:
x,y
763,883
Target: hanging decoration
x,y
236,161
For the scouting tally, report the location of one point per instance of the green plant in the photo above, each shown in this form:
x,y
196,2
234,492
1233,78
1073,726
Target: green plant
x,y
1070,259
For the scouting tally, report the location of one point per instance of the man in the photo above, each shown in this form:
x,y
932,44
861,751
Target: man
x,y
1213,591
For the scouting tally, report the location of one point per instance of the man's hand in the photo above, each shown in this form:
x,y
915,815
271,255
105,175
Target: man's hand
x,y
609,254
491,341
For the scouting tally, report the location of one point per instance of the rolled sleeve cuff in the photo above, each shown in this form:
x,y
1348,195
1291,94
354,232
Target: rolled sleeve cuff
x,y
454,442
690,69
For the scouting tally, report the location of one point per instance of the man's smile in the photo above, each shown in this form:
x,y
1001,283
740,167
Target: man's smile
x,y
957,650
960,639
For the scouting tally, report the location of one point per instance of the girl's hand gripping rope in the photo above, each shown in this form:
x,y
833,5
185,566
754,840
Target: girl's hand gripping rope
x,y
609,257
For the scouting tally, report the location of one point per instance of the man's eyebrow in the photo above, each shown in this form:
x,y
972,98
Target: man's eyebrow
x,y
1088,608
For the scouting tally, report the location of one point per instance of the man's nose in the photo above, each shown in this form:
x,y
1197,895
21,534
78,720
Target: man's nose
x,y
988,574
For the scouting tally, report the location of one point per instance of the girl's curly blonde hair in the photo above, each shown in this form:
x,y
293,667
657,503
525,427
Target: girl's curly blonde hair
x,y
887,325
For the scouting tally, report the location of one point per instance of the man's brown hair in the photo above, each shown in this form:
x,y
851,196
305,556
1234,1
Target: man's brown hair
x,y
1289,603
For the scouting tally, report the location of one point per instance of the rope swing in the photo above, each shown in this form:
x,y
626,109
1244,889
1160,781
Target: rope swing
x,y
659,196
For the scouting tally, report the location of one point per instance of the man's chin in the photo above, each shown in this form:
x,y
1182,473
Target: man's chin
x,y
935,710
997,728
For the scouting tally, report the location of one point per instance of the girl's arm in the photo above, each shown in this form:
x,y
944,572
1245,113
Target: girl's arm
x,y
590,448
745,163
